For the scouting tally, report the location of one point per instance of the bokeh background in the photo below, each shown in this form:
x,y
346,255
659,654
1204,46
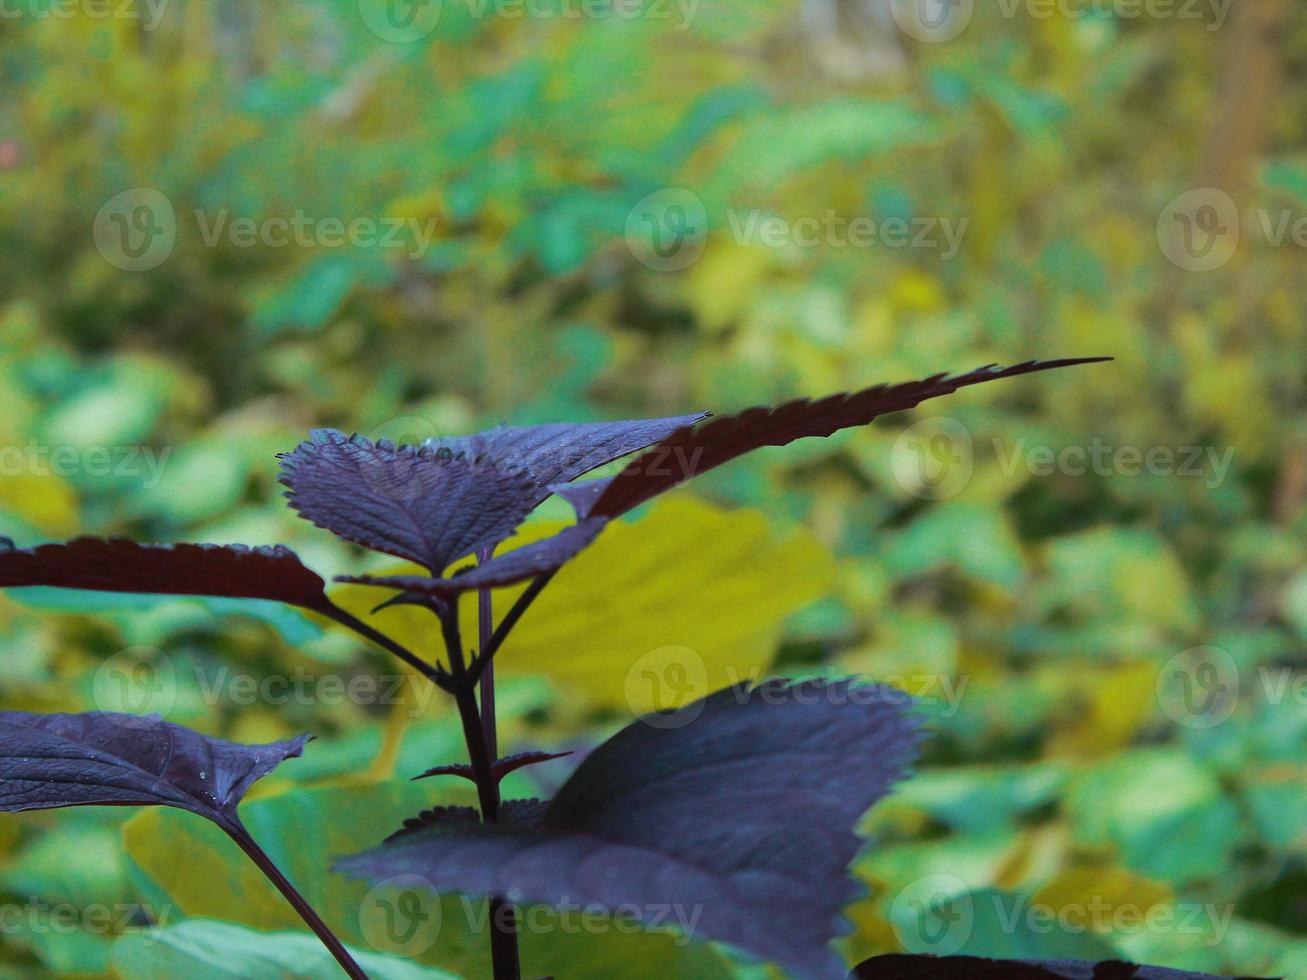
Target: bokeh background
x,y
224,222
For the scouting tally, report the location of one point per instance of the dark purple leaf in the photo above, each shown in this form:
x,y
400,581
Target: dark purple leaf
x,y
562,451
739,809
691,451
118,565
583,495
417,503
530,560
500,768
512,813
108,759
907,966
442,815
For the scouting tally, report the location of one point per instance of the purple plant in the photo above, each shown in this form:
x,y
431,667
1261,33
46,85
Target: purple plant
x,y
742,805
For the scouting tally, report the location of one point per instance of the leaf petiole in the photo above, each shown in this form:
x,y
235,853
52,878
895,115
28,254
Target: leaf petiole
x,y
237,832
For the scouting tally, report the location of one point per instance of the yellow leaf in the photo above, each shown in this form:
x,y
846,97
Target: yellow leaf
x,y
916,292
1099,895
656,613
723,283
157,838
43,500
1116,703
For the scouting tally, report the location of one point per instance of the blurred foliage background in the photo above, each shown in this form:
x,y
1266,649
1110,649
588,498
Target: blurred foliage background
x,y
1053,618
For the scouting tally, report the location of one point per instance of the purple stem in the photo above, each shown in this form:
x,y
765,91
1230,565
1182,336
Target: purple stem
x,y
486,630
503,920
236,830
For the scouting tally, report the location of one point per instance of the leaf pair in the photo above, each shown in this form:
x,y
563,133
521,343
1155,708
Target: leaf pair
x,y
725,817
431,504
450,498
732,818
552,456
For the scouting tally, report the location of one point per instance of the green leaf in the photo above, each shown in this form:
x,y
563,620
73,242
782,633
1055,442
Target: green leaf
x,y
203,949
1163,811
977,541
